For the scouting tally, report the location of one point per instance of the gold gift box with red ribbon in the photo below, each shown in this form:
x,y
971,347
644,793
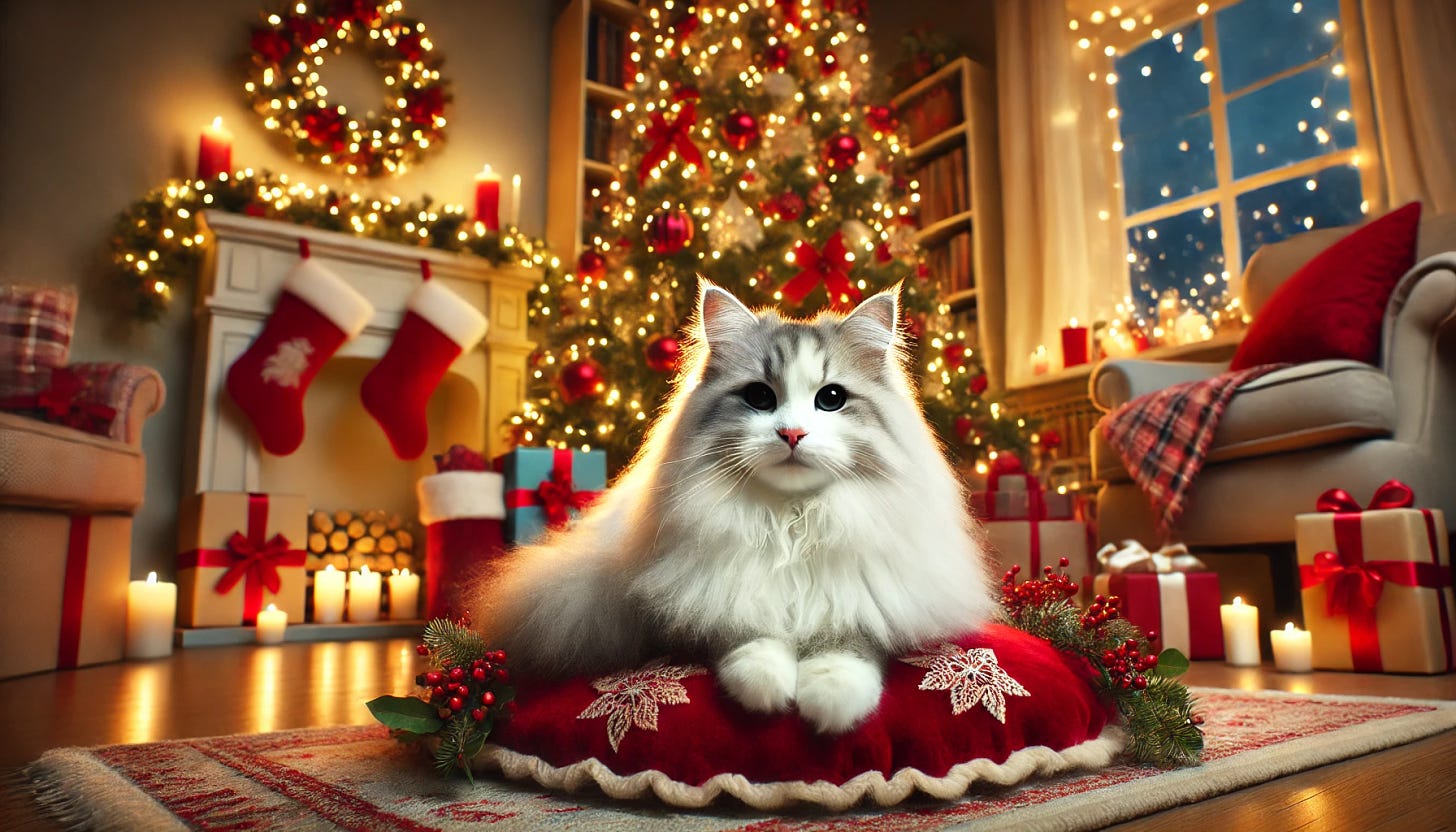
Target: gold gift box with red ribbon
x,y
240,552
1376,583
1034,540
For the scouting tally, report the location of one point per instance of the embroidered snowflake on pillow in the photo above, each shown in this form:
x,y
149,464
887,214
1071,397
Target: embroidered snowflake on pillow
x,y
972,676
631,699
286,366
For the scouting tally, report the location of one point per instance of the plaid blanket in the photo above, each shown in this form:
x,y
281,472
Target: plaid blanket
x,y
1163,437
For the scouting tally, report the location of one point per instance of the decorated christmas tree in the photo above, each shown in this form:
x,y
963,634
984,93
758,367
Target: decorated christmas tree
x,y
756,155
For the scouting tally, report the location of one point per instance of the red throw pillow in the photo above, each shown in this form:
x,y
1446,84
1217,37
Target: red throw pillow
x,y
995,706
1333,307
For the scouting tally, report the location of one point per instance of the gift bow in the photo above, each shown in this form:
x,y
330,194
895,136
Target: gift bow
x,y
665,136
557,498
1391,494
1350,585
829,266
63,402
256,560
1131,556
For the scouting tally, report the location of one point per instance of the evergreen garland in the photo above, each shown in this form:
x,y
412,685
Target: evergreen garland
x,y
1157,710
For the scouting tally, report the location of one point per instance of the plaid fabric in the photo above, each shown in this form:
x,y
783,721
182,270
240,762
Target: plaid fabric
x,y
35,335
1163,437
93,397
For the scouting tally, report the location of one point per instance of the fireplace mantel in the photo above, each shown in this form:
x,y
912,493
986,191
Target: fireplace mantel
x,y
241,279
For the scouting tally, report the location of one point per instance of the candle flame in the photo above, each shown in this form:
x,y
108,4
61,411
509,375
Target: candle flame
x,y
405,572
151,577
329,568
1238,601
217,122
1289,626
364,570
272,608
1074,323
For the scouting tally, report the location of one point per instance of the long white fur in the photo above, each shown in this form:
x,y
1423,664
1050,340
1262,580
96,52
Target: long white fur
x,y
688,552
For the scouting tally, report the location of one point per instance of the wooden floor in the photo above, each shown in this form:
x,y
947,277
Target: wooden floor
x,y
229,690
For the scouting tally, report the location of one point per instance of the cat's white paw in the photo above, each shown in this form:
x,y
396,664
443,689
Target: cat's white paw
x,y
760,675
837,691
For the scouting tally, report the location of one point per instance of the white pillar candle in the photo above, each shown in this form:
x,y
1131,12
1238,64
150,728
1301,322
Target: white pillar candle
x,y
1293,650
516,200
272,623
151,614
364,595
1240,633
404,596
328,596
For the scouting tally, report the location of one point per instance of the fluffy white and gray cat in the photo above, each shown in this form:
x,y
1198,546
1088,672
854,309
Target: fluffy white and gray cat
x,y
790,517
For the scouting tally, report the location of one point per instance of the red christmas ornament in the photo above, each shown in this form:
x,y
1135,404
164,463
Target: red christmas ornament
x,y
1051,440
979,383
591,265
786,207
686,93
776,57
581,379
882,119
883,253
740,130
668,231
663,352
955,355
963,426
842,152
828,64
270,44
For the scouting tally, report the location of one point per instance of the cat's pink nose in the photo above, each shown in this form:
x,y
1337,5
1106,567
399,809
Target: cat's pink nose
x,y
792,435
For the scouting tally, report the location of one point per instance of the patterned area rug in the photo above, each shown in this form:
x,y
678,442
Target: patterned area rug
x,y
358,778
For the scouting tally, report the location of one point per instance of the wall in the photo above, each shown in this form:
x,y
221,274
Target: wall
x,y
101,102
970,23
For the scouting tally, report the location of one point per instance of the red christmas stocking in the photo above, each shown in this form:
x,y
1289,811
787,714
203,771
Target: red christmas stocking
x,y
438,326
316,313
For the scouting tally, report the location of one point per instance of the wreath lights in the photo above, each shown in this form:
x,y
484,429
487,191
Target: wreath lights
x,y
284,86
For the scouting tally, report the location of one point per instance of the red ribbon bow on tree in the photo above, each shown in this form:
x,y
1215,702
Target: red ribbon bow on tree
x,y
255,560
666,136
829,266
557,498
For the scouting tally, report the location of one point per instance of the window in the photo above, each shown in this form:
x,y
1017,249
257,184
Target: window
x,y
1238,128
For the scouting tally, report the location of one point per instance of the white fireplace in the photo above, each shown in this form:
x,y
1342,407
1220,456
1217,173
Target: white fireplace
x,y
345,460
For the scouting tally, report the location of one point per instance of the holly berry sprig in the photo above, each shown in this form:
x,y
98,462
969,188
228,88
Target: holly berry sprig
x,y
1157,709
462,696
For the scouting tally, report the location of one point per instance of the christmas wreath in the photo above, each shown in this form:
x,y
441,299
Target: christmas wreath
x,y
289,48
1059,688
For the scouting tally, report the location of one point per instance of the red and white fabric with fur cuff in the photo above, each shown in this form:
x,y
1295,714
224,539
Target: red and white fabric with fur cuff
x,y
463,513
995,707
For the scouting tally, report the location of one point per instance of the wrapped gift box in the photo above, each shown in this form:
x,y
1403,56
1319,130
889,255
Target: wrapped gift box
x,y
63,600
1376,584
239,553
1019,503
1034,544
463,513
545,487
1180,607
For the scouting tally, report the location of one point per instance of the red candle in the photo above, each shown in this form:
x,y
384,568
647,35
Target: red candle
x,y
1074,345
214,151
487,199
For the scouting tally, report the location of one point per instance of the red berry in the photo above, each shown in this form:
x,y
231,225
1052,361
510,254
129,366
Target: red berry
x,y
433,677
463,690
457,673
437,693
478,674
500,656
422,650
487,698
477,714
456,703
1140,682
501,674
1063,562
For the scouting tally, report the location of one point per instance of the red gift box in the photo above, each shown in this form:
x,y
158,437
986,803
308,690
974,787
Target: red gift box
x,y
463,513
1180,607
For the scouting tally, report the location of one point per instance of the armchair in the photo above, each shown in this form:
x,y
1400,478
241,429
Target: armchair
x,y
1289,435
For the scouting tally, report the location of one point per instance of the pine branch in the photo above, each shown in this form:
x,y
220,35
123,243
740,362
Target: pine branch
x,y
453,643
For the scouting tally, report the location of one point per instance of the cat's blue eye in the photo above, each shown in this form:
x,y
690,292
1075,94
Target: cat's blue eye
x,y
759,396
830,397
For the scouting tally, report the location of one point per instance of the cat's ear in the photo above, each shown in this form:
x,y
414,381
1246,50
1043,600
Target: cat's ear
x,y
873,322
724,318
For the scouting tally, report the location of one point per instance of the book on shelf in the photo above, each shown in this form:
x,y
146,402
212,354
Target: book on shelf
x,y
933,112
607,59
605,136
951,265
944,186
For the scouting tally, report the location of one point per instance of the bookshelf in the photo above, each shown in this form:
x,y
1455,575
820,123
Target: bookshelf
x,y
950,119
588,79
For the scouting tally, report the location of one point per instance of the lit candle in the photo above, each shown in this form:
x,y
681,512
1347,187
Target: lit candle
x,y
516,200
1074,344
214,151
364,595
487,198
1039,363
272,623
151,613
1293,650
328,596
404,596
1240,633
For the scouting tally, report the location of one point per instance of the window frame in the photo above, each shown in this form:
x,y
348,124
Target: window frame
x,y
1364,156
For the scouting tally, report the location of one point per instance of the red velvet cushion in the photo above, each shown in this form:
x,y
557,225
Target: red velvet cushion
x,y
1333,307
686,728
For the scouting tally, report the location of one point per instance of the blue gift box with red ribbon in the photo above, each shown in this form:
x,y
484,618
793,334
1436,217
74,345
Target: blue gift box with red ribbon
x,y
546,487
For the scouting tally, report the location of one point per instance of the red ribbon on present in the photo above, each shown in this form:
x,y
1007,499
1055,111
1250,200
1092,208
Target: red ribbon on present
x,y
829,266
73,594
1353,585
250,557
663,137
555,495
